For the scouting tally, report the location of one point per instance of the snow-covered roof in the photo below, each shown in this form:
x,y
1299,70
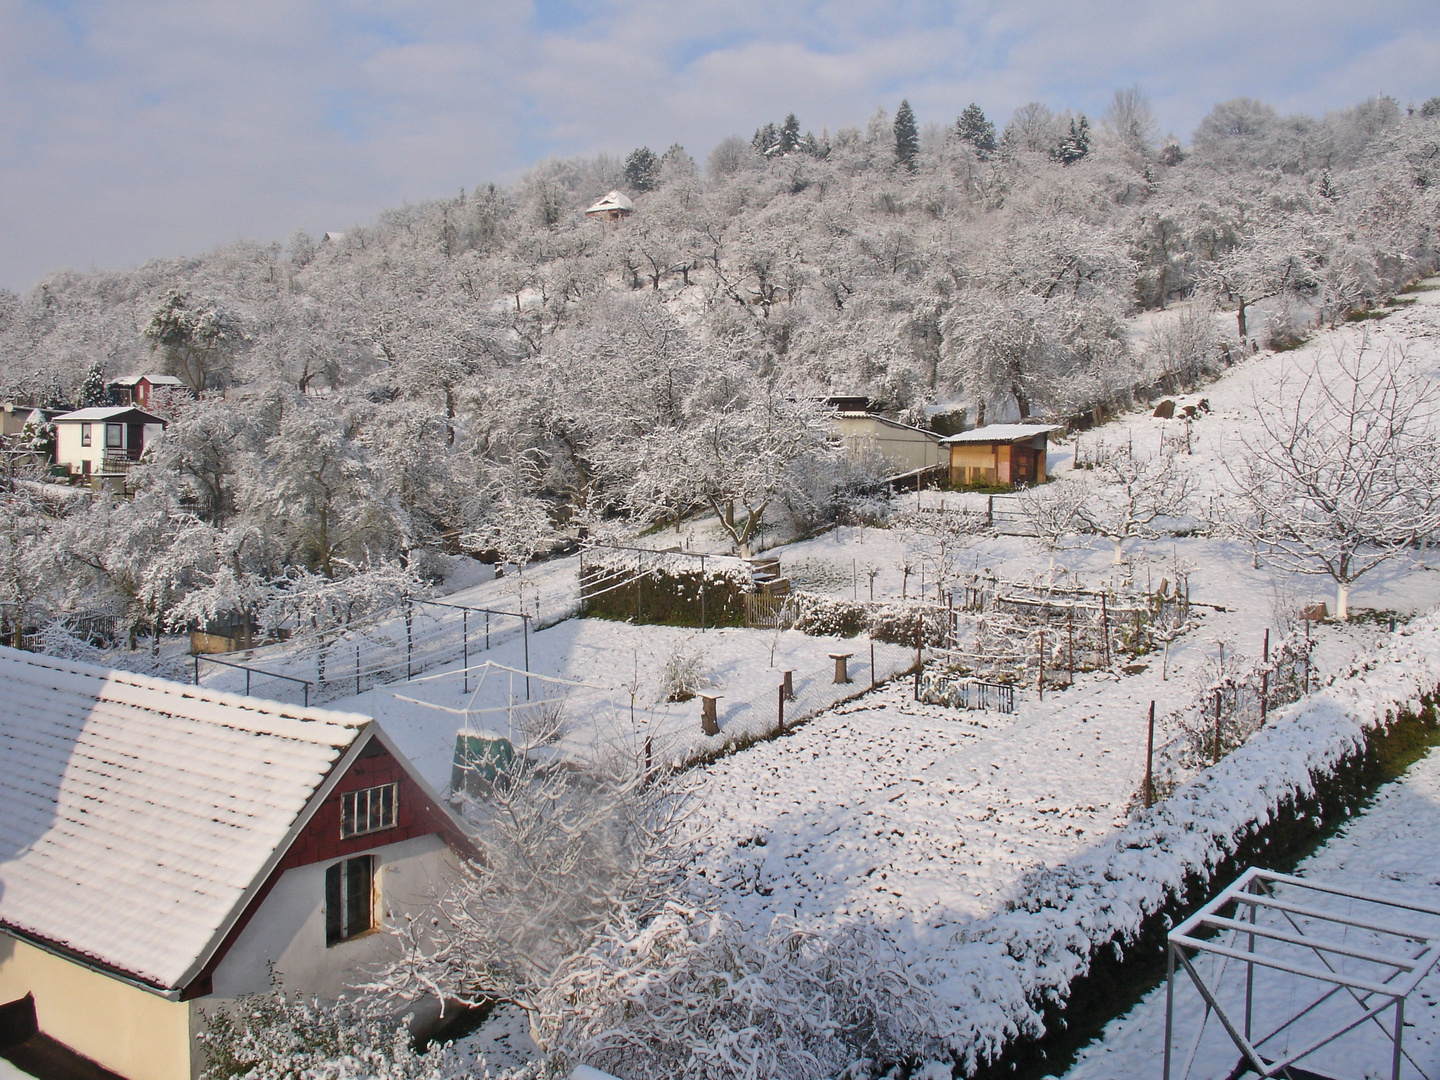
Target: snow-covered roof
x,y
1003,433
153,380
615,200
139,814
850,414
107,412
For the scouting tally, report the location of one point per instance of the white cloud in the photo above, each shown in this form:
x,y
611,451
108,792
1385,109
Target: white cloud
x,y
129,131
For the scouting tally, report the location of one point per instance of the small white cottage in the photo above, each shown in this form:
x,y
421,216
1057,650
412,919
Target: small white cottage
x,y
164,845
614,206
103,440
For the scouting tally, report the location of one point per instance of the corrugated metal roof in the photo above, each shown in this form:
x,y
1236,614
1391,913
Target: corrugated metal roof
x,y
1003,433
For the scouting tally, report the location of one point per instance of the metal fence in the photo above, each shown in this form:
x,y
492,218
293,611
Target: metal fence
x,y
943,688
419,636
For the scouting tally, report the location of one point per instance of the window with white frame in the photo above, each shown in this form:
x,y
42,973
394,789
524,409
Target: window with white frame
x,y
114,436
84,434
369,810
350,899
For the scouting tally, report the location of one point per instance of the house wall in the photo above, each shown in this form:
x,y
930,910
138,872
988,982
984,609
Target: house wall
x,y
69,452
906,449
288,929
128,1030
996,463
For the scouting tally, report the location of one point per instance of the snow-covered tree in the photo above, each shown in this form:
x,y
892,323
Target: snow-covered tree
x,y
1341,474
92,391
1129,492
566,857
907,137
972,127
196,339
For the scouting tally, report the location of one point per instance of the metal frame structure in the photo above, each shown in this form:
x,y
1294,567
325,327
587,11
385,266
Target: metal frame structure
x,y
1290,930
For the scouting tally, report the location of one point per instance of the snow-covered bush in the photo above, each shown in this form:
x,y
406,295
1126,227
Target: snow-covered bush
x,y
824,616
686,672
696,994
565,856
283,1036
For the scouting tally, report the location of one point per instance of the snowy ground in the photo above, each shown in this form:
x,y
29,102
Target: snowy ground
x,y
1388,850
589,666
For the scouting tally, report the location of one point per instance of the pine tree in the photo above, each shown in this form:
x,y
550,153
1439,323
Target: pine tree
x,y
907,137
92,391
973,128
790,135
642,169
766,140
1076,144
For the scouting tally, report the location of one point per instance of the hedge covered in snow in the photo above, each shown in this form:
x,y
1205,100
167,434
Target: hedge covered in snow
x,y
1002,974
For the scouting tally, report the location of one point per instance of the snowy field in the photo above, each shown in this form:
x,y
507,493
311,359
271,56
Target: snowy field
x,y
1388,850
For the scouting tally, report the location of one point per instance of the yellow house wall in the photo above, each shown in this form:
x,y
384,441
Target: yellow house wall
x,y
129,1031
905,449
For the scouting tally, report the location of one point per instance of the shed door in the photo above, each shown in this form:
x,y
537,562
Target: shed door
x,y
134,441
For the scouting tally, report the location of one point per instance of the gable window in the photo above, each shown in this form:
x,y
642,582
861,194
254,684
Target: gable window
x,y
349,899
369,810
114,436
84,434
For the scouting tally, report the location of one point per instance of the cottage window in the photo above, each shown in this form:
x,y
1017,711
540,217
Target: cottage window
x,y
114,436
349,899
84,434
369,810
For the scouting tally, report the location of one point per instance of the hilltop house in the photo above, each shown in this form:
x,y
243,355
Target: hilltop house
x,y
1012,454
907,451
164,845
615,206
101,440
136,389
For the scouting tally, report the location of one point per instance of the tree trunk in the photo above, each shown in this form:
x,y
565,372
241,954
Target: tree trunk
x,y
1342,600
1240,320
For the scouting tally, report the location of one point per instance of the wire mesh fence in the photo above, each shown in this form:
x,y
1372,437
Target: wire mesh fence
x,y
421,636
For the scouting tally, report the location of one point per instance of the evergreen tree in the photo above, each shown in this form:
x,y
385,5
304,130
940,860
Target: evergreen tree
x,y
766,140
790,135
92,391
1431,108
1075,144
907,137
973,128
642,169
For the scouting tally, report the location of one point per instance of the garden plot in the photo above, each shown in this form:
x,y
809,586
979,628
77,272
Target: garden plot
x,y
588,670
1388,850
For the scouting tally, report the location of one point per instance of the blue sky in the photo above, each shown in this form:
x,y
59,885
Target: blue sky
x,y
134,130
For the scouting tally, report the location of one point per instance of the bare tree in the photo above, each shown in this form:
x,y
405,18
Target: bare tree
x,y
1342,474
1134,491
1131,121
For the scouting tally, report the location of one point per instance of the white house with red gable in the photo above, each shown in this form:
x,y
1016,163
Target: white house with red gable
x,y
164,845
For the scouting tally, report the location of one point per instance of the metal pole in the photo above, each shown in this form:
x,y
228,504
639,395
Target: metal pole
x,y
702,594
305,688
1264,695
1105,626
1040,681
1217,727
465,647
872,663
1250,971
1150,761
197,669
781,697
247,682
1267,645
1169,1006
525,627
1399,1037
409,636
357,667
487,631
